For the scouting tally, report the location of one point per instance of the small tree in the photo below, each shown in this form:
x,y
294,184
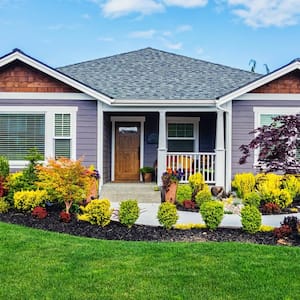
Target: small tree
x,y
277,145
66,180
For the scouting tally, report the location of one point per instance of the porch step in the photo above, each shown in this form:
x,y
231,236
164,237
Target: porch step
x,y
142,192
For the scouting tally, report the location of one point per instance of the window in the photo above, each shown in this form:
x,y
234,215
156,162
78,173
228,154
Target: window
x,y
62,137
52,130
182,134
265,115
19,133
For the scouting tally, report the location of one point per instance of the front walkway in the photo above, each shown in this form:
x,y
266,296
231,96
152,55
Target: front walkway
x,y
149,213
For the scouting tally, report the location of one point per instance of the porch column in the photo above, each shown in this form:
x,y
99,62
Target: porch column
x,y
162,146
220,150
100,120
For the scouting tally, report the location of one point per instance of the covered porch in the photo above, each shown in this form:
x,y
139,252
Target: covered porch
x,y
188,141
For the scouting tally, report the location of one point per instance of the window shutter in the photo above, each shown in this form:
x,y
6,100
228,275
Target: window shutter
x,y
21,132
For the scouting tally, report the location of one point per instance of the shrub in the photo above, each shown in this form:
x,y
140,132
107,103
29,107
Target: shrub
x,y
281,197
189,226
196,182
39,212
167,215
203,196
252,198
188,204
251,218
282,231
292,184
98,212
270,208
243,183
65,180
28,200
212,213
184,192
4,206
4,167
292,222
129,212
266,228
65,217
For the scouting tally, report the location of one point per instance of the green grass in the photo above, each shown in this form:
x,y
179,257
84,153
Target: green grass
x,y
44,265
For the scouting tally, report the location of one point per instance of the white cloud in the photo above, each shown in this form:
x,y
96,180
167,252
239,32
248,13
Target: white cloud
x,y
265,13
117,8
148,34
186,3
170,45
184,28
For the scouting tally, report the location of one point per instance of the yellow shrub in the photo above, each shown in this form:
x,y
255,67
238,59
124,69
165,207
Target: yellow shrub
x,y
4,206
98,211
292,184
196,181
28,200
243,183
268,181
189,226
266,228
281,197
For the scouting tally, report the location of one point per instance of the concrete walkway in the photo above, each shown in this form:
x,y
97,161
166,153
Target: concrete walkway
x,y
149,213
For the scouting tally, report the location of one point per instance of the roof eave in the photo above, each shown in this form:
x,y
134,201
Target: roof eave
x,y
19,55
294,65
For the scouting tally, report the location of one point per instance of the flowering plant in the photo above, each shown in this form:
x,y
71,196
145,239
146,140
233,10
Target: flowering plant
x,y
171,176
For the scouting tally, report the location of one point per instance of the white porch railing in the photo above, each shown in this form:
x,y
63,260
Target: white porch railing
x,y
193,162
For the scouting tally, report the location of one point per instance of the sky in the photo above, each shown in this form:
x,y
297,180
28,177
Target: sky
x,y
229,32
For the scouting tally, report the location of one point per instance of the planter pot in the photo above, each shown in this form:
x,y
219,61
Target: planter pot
x,y
147,177
171,193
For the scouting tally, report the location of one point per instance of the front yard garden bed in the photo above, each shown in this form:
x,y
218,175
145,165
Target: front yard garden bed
x,y
117,231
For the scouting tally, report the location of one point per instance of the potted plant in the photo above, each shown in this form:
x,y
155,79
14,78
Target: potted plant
x,y
170,181
147,173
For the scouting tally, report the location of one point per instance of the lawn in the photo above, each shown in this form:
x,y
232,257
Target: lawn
x,y
45,265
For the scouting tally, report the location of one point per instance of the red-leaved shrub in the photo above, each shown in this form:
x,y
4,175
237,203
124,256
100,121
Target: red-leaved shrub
x,y
39,212
282,231
188,204
270,208
65,217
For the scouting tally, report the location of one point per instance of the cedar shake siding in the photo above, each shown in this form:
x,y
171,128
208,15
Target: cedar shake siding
x,y
19,77
86,124
243,123
287,84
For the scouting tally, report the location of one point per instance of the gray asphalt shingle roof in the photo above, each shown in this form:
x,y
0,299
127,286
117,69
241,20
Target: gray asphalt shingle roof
x,y
153,74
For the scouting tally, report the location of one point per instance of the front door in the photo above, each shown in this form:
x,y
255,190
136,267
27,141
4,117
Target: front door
x,y
127,151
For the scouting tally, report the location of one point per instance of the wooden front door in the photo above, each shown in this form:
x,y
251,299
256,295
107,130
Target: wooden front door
x,y
127,151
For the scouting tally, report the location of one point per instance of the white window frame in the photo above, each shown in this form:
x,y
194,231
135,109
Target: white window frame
x,y
258,111
184,120
49,112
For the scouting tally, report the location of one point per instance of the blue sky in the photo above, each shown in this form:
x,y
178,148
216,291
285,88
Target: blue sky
x,y
230,32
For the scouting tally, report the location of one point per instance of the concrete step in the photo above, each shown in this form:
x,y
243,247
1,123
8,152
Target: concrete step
x,y
142,192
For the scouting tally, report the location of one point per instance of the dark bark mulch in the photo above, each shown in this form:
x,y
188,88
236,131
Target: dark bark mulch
x,y
116,231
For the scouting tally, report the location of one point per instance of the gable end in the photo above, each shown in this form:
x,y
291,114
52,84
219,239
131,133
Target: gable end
x,y
20,77
286,84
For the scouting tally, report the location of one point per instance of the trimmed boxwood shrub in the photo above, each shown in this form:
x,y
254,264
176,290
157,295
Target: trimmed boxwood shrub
x,y
251,218
212,213
129,212
98,211
252,198
184,192
203,196
167,214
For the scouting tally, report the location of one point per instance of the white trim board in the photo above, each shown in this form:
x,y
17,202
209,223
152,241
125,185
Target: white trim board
x,y
49,112
137,119
44,96
17,55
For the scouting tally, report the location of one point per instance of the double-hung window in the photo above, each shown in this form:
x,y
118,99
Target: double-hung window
x,y
52,130
183,134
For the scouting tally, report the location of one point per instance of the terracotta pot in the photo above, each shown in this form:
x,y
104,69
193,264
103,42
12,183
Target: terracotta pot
x,y
148,177
171,193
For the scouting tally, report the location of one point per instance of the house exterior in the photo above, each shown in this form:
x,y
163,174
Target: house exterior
x,y
142,108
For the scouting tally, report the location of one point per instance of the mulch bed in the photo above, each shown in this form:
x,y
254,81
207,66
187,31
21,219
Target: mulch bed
x,y
116,231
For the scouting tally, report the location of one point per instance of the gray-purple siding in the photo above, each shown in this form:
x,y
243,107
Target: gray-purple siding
x,y
86,146
243,123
